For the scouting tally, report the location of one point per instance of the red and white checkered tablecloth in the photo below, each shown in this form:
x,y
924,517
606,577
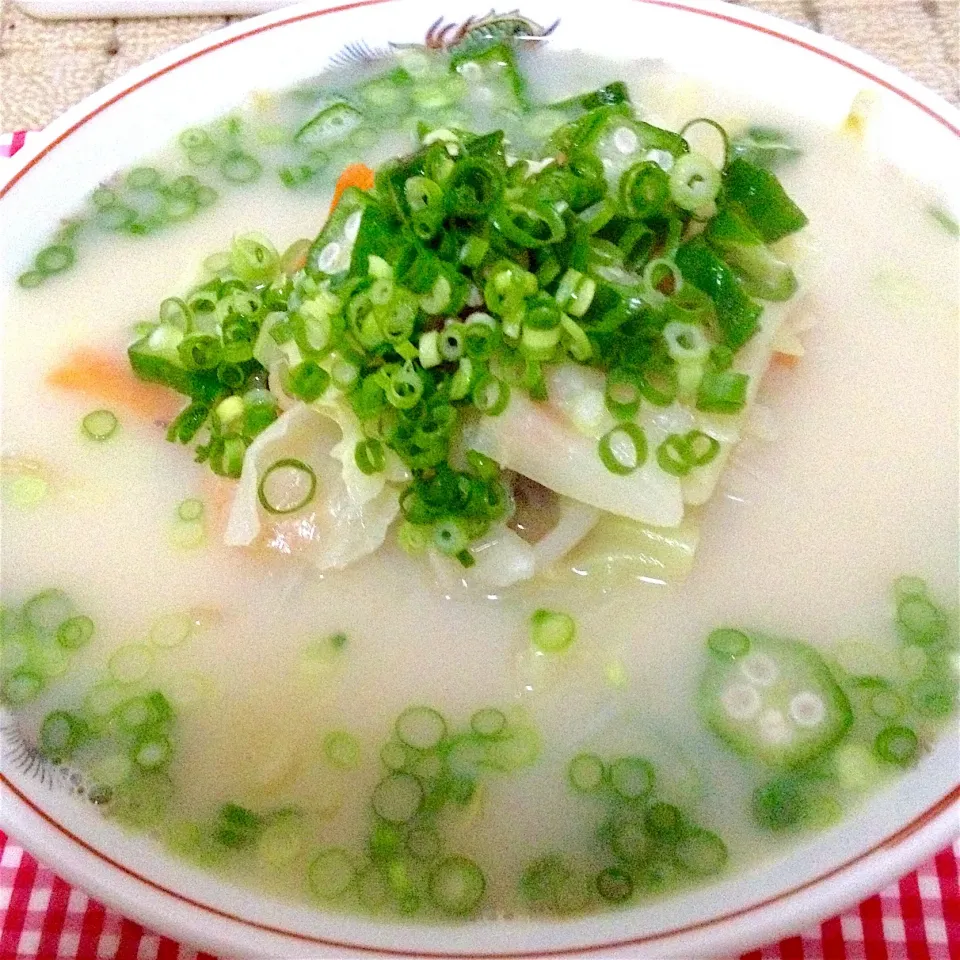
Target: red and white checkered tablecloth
x,y
45,918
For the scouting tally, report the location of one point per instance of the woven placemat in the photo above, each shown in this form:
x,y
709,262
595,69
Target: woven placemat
x,y
47,66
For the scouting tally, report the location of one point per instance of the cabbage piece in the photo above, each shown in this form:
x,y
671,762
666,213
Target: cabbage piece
x,y
539,441
502,557
618,550
348,517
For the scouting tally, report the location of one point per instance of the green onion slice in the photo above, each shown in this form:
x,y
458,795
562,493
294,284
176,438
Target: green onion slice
x,y
632,777
552,632
398,797
623,449
331,874
488,722
342,749
694,181
55,259
728,644
287,486
75,632
240,167
421,728
897,744
190,510
100,425
491,395
457,886
614,885
586,772
622,394
370,456
45,611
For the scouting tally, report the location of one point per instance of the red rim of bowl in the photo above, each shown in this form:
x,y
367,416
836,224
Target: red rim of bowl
x,y
931,813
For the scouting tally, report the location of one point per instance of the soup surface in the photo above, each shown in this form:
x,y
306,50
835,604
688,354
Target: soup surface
x,y
407,733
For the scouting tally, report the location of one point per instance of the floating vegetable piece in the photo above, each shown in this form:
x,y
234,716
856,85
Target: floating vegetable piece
x,y
528,439
349,512
775,702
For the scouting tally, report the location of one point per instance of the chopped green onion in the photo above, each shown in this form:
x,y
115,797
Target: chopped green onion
x,y
171,629
404,388
897,744
628,838
60,735
728,644
396,756
75,632
287,486
31,279
457,886
586,772
54,259
254,259
369,456
491,395
331,874
143,178
100,425
694,181
614,885
686,342
722,392
152,752
421,728
664,822
632,777
451,341
772,212
450,537
424,843
282,839
517,747
622,394
701,853
21,687
342,750
190,510
623,449
644,190
904,587
724,153
46,611
488,722
945,219
552,632
240,167
398,798
659,386
307,381
934,696
919,618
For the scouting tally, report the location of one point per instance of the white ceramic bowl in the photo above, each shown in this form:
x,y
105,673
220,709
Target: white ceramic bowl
x,y
810,76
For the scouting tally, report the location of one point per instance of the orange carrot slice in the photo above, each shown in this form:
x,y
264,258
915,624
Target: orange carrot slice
x,y
108,378
356,175
787,360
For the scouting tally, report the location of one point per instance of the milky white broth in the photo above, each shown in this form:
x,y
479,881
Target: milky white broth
x,y
803,539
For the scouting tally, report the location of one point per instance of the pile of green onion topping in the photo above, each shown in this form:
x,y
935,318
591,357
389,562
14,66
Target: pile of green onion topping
x,y
464,275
